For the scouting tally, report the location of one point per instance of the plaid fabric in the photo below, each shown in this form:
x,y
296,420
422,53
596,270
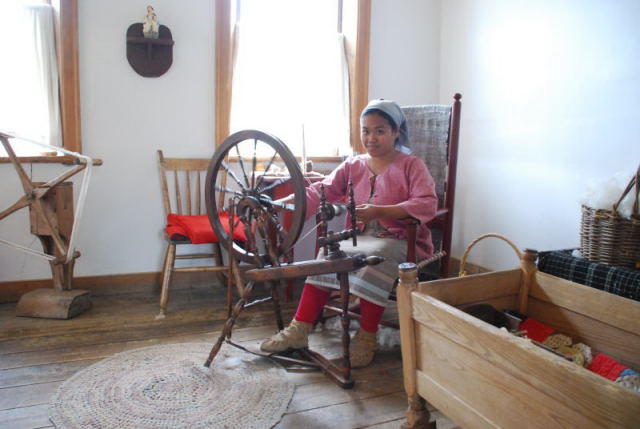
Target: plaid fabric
x,y
617,280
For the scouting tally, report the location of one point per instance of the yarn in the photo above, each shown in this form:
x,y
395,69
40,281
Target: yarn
x,y
557,340
603,193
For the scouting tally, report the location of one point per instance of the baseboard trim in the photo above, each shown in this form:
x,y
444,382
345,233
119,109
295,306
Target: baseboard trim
x,y
109,284
148,282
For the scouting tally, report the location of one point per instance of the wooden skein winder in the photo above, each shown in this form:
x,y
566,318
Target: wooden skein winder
x,y
52,220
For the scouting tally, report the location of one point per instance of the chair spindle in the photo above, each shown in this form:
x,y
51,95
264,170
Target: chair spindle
x,y
188,176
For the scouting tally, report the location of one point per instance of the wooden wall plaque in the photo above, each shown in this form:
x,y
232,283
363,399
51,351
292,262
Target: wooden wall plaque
x,y
149,57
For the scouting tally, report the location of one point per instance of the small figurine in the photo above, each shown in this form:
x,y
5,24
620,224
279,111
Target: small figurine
x,y
151,26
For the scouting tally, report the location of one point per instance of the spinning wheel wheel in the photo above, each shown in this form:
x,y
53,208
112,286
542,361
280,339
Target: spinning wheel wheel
x,y
264,162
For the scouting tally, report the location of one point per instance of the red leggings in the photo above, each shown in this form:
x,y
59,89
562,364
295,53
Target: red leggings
x,y
313,299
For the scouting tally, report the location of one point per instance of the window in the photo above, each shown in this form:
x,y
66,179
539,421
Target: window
x,y
29,80
290,75
283,67
38,38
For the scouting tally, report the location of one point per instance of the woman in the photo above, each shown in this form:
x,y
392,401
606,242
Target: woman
x,y
389,185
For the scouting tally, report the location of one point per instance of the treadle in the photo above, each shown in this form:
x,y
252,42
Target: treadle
x,y
284,357
341,375
307,358
257,301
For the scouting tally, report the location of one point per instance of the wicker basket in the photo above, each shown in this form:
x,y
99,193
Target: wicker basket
x,y
608,238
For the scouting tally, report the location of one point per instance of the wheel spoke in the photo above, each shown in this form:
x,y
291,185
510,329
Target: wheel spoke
x,y
253,170
261,178
274,184
289,207
228,191
233,175
246,179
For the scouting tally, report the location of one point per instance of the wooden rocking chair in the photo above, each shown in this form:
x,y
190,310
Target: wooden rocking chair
x,y
434,132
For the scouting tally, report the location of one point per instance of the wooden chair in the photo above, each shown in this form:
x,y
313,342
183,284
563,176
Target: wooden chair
x,y
434,132
182,181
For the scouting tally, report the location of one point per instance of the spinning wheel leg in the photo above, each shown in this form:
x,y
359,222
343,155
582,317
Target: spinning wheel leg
x,y
229,296
275,296
339,374
345,321
228,326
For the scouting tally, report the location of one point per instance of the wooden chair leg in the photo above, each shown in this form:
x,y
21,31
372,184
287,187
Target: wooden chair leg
x,y
217,257
167,274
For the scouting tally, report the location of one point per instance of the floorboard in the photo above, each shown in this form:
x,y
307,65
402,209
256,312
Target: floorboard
x,y
38,355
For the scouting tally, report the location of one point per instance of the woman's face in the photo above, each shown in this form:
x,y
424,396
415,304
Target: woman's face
x,y
377,135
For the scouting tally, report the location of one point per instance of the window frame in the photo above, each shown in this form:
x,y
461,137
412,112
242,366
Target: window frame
x,y
356,24
66,22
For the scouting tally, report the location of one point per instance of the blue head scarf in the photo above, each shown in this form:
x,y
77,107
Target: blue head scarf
x,y
394,111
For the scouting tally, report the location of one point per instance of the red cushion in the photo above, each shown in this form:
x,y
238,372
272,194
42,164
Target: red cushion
x,y
176,232
198,228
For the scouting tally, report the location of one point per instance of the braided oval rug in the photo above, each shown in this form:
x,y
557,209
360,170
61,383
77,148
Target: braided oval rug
x,y
167,386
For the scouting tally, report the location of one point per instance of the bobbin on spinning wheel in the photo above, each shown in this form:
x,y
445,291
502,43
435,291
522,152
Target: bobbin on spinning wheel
x,y
263,163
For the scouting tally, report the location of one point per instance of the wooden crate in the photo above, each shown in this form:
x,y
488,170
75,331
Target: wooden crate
x,y
484,377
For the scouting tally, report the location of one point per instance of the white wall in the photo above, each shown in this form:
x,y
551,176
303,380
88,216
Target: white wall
x,y
125,118
404,53
551,98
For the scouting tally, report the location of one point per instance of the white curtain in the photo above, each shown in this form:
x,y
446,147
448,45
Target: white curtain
x,y
290,75
29,94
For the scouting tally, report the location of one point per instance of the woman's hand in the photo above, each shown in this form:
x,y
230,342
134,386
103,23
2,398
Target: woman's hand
x,y
366,212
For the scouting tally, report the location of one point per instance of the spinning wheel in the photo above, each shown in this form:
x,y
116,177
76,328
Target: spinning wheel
x,y
264,162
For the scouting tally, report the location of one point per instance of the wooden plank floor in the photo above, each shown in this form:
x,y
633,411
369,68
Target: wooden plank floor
x,y
38,355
